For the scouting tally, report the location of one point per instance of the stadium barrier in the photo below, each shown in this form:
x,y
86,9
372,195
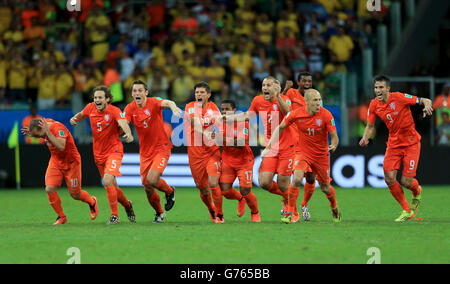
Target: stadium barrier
x,y
350,166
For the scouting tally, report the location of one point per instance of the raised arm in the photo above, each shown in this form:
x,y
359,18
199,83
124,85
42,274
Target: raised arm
x,y
77,118
172,106
59,143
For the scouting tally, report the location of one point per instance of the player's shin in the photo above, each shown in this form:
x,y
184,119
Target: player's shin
x,y
111,194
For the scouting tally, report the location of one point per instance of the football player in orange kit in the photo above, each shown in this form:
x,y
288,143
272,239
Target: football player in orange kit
x,y
105,120
237,160
280,160
154,144
65,163
403,146
204,154
296,96
314,123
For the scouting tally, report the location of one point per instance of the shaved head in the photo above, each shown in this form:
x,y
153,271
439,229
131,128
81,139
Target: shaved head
x,y
313,101
310,93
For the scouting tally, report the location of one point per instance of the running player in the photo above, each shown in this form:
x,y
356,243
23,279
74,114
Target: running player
x,y
237,160
65,163
105,121
314,123
297,99
204,154
403,146
280,159
154,144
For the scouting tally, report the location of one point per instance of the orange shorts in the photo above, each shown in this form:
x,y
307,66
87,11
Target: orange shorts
x,y
319,167
110,165
281,166
72,176
157,162
244,173
305,167
202,169
409,156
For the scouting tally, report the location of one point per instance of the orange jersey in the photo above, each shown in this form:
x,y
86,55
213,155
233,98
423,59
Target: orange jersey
x,y
397,116
198,145
313,131
231,155
297,101
62,159
105,130
149,125
272,117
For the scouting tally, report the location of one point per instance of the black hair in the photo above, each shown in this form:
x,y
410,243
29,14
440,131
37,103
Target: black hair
x,y
231,102
204,85
382,78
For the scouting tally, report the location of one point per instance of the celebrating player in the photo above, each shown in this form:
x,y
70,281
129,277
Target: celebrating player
x,y
304,82
403,146
204,154
65,163
280,158
154,144
105,121
237,160
314,123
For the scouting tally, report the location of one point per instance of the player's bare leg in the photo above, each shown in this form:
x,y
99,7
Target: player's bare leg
x,y
266,182
84,196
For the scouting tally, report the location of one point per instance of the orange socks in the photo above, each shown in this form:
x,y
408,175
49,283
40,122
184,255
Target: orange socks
x,y
414,187
217,197
164,187
208,202
397,192
155,201
332,197
111,193
252,202
85,197
308,193
232,194
292,198
55,202
276,190
122,199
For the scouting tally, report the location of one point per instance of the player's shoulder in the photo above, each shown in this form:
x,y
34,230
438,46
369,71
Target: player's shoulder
x,y
130,107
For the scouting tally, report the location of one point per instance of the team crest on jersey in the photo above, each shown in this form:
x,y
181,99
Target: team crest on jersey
x,y
106,117
392,105
147,112
319,122
210,111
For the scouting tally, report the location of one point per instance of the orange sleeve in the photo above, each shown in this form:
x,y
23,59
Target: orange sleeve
x,y
254,106
371,116
330,123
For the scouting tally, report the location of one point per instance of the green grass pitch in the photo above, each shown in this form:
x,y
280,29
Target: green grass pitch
x,y
189,237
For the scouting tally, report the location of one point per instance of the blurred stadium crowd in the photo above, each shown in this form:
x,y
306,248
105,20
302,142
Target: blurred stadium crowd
x,y
48,55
